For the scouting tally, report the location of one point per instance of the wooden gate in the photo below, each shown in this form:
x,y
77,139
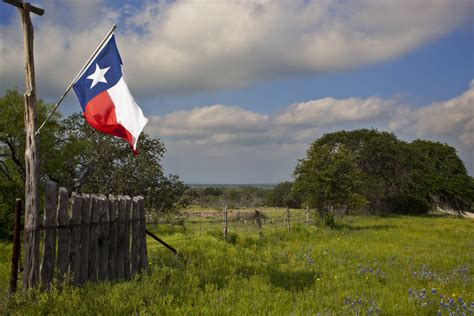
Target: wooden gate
x,y
90,237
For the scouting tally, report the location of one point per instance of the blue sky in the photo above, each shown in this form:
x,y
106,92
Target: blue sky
x,y
238,89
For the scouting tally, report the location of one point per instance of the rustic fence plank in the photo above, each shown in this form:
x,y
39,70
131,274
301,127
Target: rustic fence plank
x,y
143,265
126,236
92,269
49,244
75,240
112,216
103,238
85,233
120,240
63,234
135,243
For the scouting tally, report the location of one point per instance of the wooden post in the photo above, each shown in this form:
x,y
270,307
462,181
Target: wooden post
x,y
75,241
258,221
92,270
103,238
49,224
126,236
16,248
135,243
112,218
63,234
32,234
85,232
119,262
288,218
307,215
225,222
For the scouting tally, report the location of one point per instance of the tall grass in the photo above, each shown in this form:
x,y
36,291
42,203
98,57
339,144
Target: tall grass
x,y
366,266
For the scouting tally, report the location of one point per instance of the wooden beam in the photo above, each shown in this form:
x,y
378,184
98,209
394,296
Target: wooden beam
x,y
32,235
16,248
19,4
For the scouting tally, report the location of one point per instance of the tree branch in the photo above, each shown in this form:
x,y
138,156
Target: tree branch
x,y
15,159
4,170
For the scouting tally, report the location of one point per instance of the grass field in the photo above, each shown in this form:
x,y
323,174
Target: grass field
x,y
366,266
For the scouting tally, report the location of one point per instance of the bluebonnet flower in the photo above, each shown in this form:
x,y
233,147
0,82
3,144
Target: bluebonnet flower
x,y
433,291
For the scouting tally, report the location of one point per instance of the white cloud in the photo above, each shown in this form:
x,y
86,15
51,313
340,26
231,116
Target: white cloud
x,y
331,110
195,45
453,117
231,137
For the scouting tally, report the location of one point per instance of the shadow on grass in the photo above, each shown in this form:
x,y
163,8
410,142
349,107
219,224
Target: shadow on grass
x,y
292,280
362,227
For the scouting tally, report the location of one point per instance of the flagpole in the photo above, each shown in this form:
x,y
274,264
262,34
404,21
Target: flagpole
x,y
76,77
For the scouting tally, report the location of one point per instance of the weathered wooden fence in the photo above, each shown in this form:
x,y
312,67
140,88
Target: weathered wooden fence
x,y
90,237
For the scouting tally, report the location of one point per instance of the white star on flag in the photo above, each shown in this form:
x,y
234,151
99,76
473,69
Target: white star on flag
x,y
98,75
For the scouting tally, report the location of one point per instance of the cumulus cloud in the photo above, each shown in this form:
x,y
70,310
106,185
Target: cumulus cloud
x,y
454,117
229,135
331,110
194,45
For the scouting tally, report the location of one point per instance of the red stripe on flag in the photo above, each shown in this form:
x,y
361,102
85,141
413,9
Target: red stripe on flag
x,y
100,114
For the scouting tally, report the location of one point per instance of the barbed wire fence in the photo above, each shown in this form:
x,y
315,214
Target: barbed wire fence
x,y
193,224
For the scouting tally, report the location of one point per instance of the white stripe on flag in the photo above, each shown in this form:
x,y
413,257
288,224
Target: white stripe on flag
x,y
127,111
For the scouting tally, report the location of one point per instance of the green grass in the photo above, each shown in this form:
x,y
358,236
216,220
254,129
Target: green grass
x,y
367,262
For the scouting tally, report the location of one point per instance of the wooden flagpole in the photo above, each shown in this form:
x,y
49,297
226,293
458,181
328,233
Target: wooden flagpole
x,y
32,236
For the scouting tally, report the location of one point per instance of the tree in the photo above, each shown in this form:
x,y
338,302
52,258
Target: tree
x,y
329,178
443,176
388,174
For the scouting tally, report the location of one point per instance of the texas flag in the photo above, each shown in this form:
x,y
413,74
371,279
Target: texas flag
x,y
106,101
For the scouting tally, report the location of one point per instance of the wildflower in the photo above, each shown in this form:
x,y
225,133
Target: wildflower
x,y
433,291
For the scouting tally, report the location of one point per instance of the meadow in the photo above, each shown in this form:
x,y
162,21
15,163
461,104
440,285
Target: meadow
x,y
400,265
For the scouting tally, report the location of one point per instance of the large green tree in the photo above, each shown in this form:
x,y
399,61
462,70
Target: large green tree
x,y
390,174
